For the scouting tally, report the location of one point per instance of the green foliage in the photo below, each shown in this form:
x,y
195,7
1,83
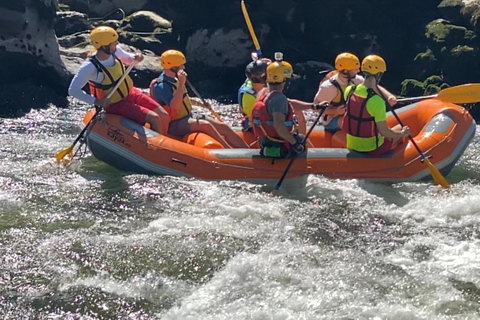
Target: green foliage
x,y
412,88
431,89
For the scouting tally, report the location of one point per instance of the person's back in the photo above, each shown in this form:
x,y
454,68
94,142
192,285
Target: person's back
x,y
273,116
365,119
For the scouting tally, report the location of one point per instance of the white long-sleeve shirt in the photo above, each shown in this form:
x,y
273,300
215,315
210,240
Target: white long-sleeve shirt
x,y
88,72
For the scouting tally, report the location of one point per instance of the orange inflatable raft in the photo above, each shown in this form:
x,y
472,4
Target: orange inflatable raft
x,y
442,131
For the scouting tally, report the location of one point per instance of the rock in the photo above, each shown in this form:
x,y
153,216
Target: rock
x,y
101,8
69,22
29,47
146,30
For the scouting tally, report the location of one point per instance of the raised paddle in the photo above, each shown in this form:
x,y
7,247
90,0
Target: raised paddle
x,y
250,29
303,142
465,93
436,175
59,156
206,104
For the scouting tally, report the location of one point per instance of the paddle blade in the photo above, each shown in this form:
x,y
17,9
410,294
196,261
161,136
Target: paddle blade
x,y
436,175
465,93
59,156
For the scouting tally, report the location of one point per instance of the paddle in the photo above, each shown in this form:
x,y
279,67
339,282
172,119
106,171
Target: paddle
x,y
206,105
250,29
436,175
59,156
303,142
465,93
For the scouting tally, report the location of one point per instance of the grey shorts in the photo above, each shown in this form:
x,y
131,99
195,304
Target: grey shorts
x,y
181,127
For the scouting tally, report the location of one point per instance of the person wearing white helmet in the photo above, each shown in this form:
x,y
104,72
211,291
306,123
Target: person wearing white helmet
x,y
102,71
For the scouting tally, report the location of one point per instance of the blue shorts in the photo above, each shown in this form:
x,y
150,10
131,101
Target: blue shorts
x,y
333,125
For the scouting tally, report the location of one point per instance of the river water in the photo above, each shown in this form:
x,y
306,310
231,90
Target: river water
x,y
90,242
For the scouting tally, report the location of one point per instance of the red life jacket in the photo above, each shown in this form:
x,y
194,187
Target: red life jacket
x,y
262,121
358,122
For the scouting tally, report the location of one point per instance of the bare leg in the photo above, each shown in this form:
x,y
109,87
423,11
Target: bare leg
x,y
164,117
200,125
158,123
233,139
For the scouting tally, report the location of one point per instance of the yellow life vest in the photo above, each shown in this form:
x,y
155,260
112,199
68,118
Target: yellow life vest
x,y
187,104
339,99
111,75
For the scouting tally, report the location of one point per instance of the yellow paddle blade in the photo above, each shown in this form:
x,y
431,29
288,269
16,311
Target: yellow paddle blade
x,y
59,156
437,176
465,93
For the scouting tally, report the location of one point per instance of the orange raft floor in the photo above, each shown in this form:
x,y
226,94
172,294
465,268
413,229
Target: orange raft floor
x,y
442,130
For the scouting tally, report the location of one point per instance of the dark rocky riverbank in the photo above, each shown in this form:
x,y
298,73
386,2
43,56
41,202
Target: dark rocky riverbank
x,y
428,45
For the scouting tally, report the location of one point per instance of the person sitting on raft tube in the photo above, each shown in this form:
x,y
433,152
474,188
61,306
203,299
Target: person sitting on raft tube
x,y
247,93
169,90
102,71
365,118
332,88
273,116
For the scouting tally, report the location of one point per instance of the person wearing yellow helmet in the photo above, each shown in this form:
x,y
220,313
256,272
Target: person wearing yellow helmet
x,y
365,118
169,90
332,87
273,116
102,70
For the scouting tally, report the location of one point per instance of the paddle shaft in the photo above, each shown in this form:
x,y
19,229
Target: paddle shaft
x,y
250,29
287,169
401,123
203,100
110,94
82,133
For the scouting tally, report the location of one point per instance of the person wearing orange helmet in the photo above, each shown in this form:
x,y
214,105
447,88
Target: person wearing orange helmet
x,y
102,71
365,118
169,90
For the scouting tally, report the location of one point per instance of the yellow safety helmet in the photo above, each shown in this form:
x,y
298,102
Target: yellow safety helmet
x,y
172,58
288,70
347,61
103,36
278,71
374,64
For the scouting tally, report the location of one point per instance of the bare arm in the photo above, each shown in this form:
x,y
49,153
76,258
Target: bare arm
x,y
177,100
395,133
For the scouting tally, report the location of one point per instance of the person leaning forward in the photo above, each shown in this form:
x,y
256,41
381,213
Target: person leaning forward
x,y
365,118
169,90
273,116
102,71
